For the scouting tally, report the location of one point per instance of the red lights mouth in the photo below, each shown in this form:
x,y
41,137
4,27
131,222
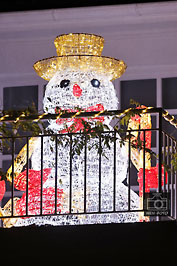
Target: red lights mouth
x,y
77,124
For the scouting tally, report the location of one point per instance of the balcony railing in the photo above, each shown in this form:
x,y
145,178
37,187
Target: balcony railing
x,y
43,185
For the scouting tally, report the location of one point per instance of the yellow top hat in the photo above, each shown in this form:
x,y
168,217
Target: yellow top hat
x,y
79,51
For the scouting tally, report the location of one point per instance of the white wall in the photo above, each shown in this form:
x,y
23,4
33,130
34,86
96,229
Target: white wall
x,y
143,35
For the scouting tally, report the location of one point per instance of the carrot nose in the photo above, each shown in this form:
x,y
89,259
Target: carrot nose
x,y
77,91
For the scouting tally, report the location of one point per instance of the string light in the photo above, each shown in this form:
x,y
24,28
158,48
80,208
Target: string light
x,y
78,113
101,112
18,118
9,118
4,117
39,117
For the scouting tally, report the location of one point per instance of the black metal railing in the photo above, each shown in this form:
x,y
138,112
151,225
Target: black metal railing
x,y
162,158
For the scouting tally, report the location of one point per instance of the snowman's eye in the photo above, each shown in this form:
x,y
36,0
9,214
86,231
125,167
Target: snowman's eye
x,y
95,83
64,83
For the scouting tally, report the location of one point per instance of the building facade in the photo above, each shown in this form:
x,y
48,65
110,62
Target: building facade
x,y
143,35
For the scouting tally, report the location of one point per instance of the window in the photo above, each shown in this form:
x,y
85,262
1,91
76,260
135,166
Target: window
x,y
169,93
18,98
142,91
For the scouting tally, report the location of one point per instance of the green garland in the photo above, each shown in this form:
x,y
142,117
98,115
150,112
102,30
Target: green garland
x,y
91,130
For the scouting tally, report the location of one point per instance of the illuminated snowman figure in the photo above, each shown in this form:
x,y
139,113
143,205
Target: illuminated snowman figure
x,y
80,78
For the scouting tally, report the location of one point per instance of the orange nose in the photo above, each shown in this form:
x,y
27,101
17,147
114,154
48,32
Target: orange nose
x,y
77,91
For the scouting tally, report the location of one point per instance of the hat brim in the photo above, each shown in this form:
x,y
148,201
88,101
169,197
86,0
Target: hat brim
x,y
111,67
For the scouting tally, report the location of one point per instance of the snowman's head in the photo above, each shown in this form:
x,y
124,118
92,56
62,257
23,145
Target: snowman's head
x,y
67,90
87,90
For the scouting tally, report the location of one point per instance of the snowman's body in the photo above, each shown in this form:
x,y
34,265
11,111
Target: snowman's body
x,y
89,91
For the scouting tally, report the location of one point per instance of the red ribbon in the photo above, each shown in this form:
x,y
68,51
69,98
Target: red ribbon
x,y
78,122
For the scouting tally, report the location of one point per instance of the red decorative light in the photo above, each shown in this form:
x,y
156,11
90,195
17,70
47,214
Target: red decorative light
x,y
2,188
34,194
151,179
34,179
136,118
34,202
147,138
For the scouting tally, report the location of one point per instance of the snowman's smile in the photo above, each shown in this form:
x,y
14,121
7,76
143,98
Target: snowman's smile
x,y
76,124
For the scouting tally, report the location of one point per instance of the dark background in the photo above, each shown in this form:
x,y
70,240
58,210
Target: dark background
x,y
21,5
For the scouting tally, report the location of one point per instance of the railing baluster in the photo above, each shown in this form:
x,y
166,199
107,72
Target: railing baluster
x,y
70,183
164,160
100,150
12,188
27,172
56,172
168,163
144,164
129,164
41,174
85,176
175,182
160,152
172,172
175,175
114,185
